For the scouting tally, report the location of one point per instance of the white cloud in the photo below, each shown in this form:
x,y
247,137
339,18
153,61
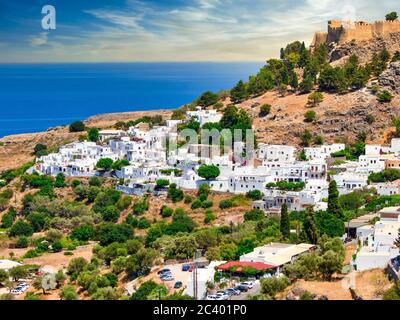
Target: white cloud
x,y
205,30
39,40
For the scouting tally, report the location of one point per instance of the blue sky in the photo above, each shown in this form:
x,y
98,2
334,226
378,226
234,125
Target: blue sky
x,y
177,30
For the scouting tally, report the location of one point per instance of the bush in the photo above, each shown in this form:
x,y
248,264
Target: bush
x,y
21,228
143,223
226,204
384,96
196,204
272,286
95,182
209,217
166,212
175,194
22,242
255,195
310,116
77,126
82,233
265,110
254,215
315,98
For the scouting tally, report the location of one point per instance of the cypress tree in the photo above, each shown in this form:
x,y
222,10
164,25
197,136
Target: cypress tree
x,y
334,206
310,233
285,221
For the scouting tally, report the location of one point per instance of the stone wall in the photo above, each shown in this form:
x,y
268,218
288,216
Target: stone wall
x,y
341,32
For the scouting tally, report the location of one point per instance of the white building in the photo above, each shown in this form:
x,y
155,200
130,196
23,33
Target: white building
x,y
204,116
378,242
276,153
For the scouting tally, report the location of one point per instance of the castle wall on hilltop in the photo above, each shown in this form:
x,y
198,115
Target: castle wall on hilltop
x,y
345,31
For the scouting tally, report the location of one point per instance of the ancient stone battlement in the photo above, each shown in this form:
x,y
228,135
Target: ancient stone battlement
x,y
346,31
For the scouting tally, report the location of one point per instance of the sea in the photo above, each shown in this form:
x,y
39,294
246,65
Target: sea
x,y
34,97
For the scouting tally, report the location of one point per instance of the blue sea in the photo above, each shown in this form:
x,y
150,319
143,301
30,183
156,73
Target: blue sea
x,y
34,97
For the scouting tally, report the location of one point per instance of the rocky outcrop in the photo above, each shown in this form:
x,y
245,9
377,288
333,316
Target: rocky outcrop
x,y
365,49
390,79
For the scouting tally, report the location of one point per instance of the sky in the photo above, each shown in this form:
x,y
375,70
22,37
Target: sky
x,y
169,30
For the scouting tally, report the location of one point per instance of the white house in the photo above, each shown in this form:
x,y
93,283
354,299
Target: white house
x,y
378,243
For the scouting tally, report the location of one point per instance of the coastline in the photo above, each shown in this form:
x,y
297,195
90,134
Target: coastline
x,y
17,149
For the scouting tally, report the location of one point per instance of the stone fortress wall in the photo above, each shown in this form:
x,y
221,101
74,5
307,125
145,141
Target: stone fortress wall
x,y
346,31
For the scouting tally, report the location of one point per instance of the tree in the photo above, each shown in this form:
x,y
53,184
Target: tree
x,y
162,183
22,242
334,206
272,286
333,80
207,99
46,282
68,293
77,126
255,195
294,81
310,116
330,263
39,150
265,110
392,16
18,272
93,134
239,92
310,233
329,224
208,172
3,275
254,215
60,181
82,233
315,98
21,228
175,194
285,222
105,164
306,138
76,265
307,84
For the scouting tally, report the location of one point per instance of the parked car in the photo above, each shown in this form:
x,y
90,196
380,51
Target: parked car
x,y
249,284
211,297
163,271
186,267
222,295
242,288
178,285
232,292
167,277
